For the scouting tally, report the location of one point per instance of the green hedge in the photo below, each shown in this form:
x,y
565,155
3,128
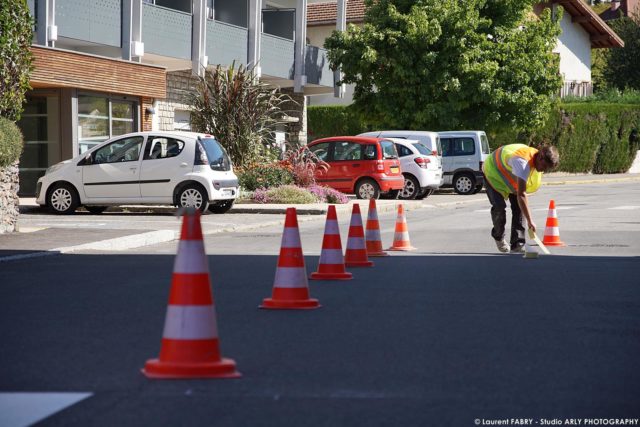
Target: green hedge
x,y
590,136
333,120
11,142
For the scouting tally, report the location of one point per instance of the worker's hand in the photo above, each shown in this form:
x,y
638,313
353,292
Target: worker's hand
x,y
532,226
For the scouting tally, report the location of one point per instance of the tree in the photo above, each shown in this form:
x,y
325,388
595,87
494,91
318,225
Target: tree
x,y
450,64
16,33
622,69
238,109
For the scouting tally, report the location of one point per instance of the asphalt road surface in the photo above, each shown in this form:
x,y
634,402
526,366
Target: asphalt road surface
x,y
450,334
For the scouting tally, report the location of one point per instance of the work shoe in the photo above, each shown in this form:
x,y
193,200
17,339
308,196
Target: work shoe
x,y
518,249
502,245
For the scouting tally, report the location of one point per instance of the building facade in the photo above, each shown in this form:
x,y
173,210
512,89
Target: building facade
x,y
108,67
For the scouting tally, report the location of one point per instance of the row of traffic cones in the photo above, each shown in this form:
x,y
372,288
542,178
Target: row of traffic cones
x,y
190,344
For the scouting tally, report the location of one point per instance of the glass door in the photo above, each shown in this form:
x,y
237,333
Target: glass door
x,y
40,125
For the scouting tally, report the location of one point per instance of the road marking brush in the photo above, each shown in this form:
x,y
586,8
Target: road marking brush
x,y
534,237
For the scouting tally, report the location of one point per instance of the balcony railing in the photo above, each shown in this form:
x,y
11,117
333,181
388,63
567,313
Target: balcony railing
x,y
226,43
579,89
316,66
277,56
97,21
166,32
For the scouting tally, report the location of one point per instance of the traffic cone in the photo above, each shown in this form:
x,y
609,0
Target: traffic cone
x,y
331,265
401,237
372,232
190,339
552,230
290,287
356,252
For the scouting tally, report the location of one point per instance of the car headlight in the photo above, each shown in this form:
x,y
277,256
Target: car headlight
x,y
52,169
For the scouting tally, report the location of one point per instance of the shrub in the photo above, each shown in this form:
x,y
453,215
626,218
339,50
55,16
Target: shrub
x,y
333,120
328,195
268,175
11,142
285,194
303,165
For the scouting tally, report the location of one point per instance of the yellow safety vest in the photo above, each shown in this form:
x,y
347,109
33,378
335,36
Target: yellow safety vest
x,y
499,174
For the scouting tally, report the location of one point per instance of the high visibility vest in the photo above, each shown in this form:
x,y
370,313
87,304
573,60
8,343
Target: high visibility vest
x,y
499,173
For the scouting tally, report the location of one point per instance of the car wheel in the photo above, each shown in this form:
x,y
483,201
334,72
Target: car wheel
x,y
367,189
193,196
96,210
464,184
425,193
63,199
411,188
221,207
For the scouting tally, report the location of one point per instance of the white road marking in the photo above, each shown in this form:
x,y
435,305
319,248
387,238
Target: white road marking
x,y
625,208
24,409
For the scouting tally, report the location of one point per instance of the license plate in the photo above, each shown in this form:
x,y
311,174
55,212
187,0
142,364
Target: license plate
x,y
395,169
227,192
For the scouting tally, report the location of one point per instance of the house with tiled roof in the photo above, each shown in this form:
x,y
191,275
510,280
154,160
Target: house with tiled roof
x,y
582,30
619,8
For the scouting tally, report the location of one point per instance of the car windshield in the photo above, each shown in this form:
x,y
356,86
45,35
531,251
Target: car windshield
x,y
218,157
388,150
422,149
485,143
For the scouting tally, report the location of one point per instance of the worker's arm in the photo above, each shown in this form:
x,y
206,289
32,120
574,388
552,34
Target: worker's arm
x,y
524,203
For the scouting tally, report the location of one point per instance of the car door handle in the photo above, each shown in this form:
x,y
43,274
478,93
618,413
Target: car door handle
x,y
356,165
183,165
133,169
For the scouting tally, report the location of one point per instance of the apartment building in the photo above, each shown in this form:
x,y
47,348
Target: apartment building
x,y
107,67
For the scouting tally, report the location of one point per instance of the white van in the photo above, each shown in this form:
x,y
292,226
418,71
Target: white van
x,y
463,153
430,139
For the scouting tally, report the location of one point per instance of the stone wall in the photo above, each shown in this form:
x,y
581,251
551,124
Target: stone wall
x,y
178,85
296,131
9,200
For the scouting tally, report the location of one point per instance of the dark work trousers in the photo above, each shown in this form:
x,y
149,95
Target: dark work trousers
x,y
499,217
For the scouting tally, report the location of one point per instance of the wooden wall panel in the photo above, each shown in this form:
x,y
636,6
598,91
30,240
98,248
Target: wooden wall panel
x,y
61,68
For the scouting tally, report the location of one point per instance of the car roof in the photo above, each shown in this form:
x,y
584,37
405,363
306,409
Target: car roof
x,y
403,141
459,132
402,133
174,133
360,139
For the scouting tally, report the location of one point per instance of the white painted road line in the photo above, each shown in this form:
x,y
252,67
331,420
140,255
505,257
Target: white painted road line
x,y
625,208
25,409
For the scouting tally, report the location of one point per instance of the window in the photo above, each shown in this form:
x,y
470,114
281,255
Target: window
x,y
101,118
370,152
162,148
388,150
122,150
446,147
403,151
321,150
347,151
216,155
485,144
458,147
422,149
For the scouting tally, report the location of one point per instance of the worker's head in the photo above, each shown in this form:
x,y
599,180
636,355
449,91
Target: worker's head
x,y
546,159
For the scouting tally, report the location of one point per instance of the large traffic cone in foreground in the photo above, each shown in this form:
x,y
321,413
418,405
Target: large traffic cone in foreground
x,y
552,229
290,287
372,232
356,252
331,265
190,339
401,236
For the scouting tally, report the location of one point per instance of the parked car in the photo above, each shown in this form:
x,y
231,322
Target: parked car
x,y
366,167
183,169
463,153
421,169
430,139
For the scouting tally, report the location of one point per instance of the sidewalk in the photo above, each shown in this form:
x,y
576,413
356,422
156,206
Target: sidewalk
x,y
48,239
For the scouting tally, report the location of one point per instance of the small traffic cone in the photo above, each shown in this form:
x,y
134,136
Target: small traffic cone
x,y
372,232
552,230
401,237
190,339
331,265
356,252
290,286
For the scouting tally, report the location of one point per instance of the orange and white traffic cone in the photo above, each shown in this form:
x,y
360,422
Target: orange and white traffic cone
x,y
190,339
290,287
552,229
372,232
401,236
331,265
356,252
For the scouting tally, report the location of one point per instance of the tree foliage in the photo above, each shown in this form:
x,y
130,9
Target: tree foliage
x,y
622,68
449,64
16,33
239,110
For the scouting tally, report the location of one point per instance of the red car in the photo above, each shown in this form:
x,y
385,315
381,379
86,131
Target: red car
x,y
366,167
